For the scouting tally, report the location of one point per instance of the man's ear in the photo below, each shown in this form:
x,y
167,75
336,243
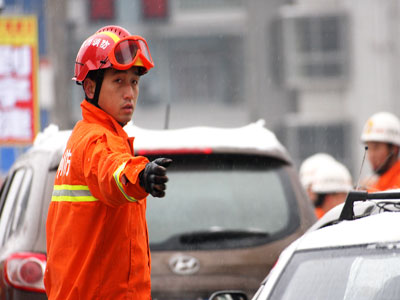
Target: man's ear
x,y
396,150
89,86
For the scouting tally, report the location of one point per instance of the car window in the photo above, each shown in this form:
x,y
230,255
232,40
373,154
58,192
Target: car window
x,y
347,273
14,199
221,201
3,187
47,194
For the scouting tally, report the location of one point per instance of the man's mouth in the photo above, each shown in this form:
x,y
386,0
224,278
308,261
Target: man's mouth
x,y
127,107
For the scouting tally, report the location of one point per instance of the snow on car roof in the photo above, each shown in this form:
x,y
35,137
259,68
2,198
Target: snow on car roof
x,y
253,138
52,138
380,228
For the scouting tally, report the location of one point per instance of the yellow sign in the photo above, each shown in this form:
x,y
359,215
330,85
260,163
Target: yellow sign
x,y
18,30
19,116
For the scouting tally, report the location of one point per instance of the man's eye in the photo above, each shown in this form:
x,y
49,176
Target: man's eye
x,y
135,82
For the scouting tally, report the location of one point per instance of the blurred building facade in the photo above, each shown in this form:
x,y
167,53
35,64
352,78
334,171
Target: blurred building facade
x,y
212,59
315,70
342,60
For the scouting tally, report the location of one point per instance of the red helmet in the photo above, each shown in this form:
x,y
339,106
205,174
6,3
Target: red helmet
x,y
112,46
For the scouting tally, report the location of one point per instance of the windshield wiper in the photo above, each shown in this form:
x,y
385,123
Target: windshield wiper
x,y
210,236
213,238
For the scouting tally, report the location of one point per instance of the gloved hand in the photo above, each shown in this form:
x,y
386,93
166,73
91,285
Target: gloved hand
x,y
154,177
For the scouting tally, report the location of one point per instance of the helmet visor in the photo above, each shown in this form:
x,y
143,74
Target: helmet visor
x,y
131,51
125,52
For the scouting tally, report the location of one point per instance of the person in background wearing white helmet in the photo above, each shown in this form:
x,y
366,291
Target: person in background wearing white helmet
x,y
331,186
308,169
381,134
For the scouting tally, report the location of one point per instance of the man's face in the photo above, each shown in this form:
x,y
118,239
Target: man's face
x,y
119,93
378,154
332,200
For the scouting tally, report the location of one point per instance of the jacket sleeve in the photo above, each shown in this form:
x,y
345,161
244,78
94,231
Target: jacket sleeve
x,y
105,161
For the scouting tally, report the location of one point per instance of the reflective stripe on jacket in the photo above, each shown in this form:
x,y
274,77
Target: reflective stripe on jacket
x,y
97,240
389,180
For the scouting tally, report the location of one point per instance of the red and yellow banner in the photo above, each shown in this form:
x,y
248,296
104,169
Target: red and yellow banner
x,y
19,118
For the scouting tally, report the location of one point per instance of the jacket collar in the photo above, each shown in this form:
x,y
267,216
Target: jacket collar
x,y
93,114
389,180
393,171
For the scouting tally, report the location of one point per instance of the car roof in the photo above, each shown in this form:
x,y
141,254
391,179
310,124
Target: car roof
x,y
51,139
252,139
379,228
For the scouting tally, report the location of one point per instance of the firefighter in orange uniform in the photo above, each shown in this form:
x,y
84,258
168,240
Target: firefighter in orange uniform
x,y
97,238
381,134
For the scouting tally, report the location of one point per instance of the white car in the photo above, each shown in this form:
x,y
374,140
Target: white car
x,y
356,258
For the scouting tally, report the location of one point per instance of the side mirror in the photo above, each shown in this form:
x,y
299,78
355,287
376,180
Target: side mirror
x,y
228,295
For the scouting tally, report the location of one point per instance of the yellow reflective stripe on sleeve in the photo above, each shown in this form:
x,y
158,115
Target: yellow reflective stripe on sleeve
x,y
72,193
74,199
116,175
71,187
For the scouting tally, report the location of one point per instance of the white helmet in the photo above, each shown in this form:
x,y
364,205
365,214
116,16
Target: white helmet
x,y
310,165
332,178
382,127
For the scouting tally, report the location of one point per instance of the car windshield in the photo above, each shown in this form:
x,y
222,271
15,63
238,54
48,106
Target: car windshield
x,y
222,201
369,273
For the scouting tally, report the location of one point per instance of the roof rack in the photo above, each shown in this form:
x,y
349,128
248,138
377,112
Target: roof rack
x,y
354,196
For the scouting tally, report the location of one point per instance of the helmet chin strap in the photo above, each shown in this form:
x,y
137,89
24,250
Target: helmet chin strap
x,y
99,81
386,164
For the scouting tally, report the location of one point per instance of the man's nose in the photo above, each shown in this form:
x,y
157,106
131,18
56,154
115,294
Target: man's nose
x,y
129,92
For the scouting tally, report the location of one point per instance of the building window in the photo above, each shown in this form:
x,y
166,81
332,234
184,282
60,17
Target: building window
x,y
316,50
305,139
203,72
196,77
155,9
189,5
102,10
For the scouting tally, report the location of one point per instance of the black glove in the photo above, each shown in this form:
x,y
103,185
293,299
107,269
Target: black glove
x,y
154,177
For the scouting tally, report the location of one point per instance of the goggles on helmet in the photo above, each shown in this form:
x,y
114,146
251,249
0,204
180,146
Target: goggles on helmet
x,y
130,51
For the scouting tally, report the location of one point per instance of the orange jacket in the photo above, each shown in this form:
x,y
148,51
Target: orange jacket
x,y
319,212
97,239
389,180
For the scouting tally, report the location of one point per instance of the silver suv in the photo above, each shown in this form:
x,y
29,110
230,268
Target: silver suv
x,y
233,203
